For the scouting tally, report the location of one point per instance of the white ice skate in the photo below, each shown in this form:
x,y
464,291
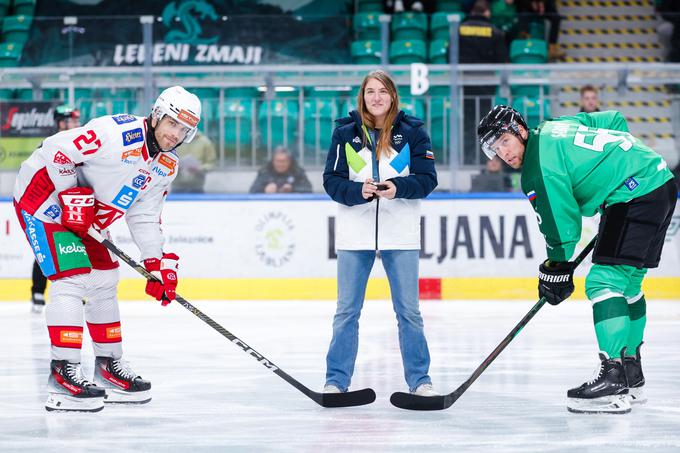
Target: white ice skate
x,y
68,390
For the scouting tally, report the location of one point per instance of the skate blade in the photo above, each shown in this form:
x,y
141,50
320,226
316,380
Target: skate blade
x,y
57,402
616,404
115,396
637,396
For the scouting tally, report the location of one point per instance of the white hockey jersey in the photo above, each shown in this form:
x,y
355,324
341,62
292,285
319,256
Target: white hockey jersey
x,y
109,155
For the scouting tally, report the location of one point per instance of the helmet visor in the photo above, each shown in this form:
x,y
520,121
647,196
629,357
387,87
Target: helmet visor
x,y
489,139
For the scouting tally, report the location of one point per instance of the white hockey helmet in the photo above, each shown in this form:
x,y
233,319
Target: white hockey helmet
x,y
181,105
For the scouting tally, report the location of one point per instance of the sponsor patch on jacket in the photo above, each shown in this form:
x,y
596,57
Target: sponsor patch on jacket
x,y
631,183
122,119
429,154
531,195
61,159
133,136
53,211
397,139
125,197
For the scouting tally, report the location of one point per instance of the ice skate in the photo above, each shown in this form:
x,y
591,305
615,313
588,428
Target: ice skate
x,y
635,378
606,393
330,388
37,303
68,390
425,390
121,383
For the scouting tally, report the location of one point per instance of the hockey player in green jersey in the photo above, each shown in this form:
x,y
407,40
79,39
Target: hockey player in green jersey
x,y
576,166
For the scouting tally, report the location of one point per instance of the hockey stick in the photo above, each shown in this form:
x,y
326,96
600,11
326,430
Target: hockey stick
x,y
346,399
435,403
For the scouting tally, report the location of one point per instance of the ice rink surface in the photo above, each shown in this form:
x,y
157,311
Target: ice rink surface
x,y
208,395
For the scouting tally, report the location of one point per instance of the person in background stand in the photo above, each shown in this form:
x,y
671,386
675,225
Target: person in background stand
x,y
281,175
590,100
65,118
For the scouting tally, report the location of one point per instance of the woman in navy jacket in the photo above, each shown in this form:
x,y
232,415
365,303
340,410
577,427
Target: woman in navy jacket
x,y
380,164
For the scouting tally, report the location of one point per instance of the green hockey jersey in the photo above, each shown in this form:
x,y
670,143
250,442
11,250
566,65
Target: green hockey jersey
x,y
575,165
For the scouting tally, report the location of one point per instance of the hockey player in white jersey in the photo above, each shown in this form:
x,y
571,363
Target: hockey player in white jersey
x,y
113,166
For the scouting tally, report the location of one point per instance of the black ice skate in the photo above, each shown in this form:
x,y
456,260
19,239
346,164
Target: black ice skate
x,y
606,393
68,390
121,383
635,378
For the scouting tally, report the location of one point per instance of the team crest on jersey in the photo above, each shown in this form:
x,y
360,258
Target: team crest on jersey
x,y
631,183
61,159
133,136
356,140
122,119
167,163
131,156
397,139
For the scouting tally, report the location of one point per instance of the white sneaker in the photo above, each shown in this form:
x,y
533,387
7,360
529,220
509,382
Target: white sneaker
x,y
425,390
329,388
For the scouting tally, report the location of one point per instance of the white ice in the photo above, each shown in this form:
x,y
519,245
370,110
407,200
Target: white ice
x,y
208,395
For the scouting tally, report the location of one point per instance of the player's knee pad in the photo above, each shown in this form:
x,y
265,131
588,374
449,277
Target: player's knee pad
x,y
634,287
605,278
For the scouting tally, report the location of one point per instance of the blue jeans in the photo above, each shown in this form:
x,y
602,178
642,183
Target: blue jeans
x,y
354,267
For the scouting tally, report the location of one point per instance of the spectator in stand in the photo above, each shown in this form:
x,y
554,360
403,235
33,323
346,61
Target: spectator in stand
x,y
479,42
590,99
195,160
399,6
669,28
281,175
493,178
539,11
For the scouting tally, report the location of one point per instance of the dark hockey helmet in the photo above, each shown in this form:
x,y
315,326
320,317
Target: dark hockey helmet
x,y
500,120
64,112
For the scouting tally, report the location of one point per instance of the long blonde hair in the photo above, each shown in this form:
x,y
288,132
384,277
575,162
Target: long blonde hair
x,y
368,120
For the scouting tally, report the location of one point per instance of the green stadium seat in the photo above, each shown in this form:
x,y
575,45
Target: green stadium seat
x,y
450,6
366,26
438,52
528,51
366,52
238,124
406,52
10,54
440,110
369,6
532,109
24,7
413,106
320,115
4,7
16,28
284,122
409,26
6,94
439,25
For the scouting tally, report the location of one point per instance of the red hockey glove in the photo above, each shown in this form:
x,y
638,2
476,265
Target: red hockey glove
x,y
165,269
77,209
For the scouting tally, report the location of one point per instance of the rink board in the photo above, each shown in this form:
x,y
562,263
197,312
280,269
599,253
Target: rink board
x,y
255,247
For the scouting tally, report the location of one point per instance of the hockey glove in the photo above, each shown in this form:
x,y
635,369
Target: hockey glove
x,y
165,269
77,209
555,281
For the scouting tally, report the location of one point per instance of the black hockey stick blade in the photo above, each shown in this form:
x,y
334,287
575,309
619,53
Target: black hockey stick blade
x,y
346,399
436,403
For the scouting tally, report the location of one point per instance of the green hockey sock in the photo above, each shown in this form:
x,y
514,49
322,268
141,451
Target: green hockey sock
x,y
612,323
638,319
